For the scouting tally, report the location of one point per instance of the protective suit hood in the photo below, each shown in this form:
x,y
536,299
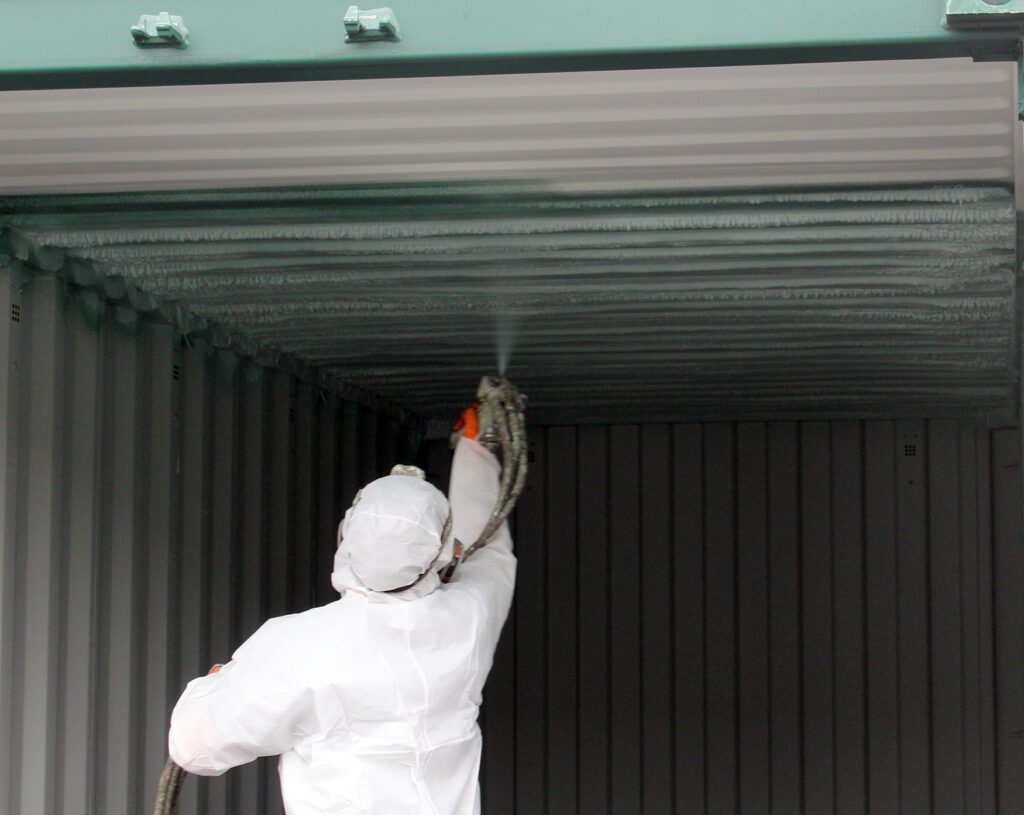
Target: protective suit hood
x,y
391,536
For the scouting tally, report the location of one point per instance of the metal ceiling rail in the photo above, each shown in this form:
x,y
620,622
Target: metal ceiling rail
x,y
878,123
65,44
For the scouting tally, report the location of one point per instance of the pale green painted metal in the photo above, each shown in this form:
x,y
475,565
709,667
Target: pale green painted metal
x,y
67,43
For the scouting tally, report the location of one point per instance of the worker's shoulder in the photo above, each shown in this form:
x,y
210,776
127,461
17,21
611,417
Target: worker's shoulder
x,y
288,628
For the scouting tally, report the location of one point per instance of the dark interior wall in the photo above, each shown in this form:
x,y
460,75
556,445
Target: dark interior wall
x,y
784,617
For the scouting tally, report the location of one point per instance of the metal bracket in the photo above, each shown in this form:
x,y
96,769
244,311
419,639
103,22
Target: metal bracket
x,y
160,29
372,25
984,12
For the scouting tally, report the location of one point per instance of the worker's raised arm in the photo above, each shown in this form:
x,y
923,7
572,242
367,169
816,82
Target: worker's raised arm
x,y
490,574
253,706
473,493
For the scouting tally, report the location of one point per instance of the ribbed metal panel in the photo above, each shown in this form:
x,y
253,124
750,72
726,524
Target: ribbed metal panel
x,y
912,121
843,304
793,617
10,335
785,617
157,504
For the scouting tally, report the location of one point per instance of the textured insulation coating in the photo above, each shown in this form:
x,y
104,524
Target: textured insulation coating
x,y
895,302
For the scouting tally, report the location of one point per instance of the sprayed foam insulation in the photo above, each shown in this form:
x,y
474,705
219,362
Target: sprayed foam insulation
x,y
897,302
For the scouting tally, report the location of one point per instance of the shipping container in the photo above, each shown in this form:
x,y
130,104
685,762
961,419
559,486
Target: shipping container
x,y
757,267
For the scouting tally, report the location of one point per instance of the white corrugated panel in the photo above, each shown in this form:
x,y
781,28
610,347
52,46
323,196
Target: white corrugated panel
x,y
710,128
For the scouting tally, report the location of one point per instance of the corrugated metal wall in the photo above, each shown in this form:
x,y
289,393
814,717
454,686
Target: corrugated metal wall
x,y
157,504
784,617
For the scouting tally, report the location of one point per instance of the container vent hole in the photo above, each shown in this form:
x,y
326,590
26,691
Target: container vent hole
x,y
909,450
291,414
15,312
176,373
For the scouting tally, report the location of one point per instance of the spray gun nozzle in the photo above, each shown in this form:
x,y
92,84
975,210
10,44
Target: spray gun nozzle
x,y
498,388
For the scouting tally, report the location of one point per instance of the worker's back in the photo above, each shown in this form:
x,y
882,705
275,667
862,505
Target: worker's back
x,y
397,688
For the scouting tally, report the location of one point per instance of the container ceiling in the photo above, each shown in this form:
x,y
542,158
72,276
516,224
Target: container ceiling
x,y
895,302
593,223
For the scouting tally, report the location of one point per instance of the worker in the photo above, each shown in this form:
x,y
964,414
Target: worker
x,y
371,701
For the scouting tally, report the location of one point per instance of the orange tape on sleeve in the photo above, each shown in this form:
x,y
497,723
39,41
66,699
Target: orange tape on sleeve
x,y
469,423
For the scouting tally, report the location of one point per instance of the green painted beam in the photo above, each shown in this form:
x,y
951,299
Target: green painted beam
x,y
69,43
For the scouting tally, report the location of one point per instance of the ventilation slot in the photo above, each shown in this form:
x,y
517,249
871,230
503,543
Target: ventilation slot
x,y
176,373
909,450
15,312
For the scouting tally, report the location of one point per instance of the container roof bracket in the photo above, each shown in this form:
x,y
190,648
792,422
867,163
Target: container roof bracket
x,y
369,25
974,14
160,29
984,12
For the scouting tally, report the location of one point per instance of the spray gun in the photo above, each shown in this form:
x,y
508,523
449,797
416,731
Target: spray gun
x,y
497,399
503,422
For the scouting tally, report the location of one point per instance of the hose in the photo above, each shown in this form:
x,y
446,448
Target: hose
x,y
168,789
503,414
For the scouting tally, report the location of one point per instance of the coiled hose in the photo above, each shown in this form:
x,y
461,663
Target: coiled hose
x,y
503,410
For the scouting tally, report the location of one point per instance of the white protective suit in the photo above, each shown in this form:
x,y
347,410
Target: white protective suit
x,y
371,700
